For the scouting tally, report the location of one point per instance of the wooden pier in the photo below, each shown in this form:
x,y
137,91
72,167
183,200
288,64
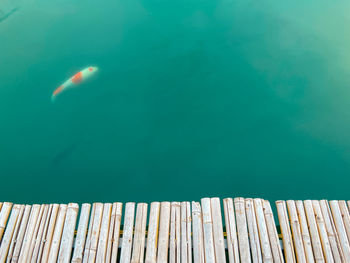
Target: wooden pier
x,y
234,230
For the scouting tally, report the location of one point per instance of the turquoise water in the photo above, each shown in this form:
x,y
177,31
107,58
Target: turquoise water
x,y
193,98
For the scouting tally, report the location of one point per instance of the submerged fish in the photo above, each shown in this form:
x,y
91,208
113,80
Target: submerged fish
x,y
72,82
4,15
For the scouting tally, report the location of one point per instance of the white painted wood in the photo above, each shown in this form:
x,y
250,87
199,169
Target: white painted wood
x,y
39,237
253,231
296,231
15,234
230,222
174,249
339,225
163,239
21,233
286,234
81,233
242,231
152,235
273,235
116,231
65,251
24,255
139,235
209,250
263,234
10,229
125,254
95,233
57,234
103,238
198,243
4,215
331,231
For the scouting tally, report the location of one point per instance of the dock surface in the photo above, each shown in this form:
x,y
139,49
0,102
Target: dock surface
x,y
212,231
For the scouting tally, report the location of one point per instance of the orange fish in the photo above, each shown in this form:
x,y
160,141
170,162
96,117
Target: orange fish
x,y
78,78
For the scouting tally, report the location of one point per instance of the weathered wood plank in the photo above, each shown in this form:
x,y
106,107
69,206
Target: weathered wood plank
x,y
10,229
57,234
242,232
273,235
50,233
331,231
125,254
253,231
164,227
286,234
296,231
152,236
139,235
4,215
218,233
95,232
186,244
81,233
103,237
65,251
209,250
198,243
174,242
39,237
15,233
232,242
116,231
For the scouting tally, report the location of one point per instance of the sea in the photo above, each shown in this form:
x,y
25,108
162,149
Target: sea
x,y
192,99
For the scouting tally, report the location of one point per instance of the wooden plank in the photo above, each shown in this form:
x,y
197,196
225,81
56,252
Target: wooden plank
x,y
286,234
10,229
315,238
346,216
95,233
253,231
4,215
34,240
174,248
263,234
218,233
116,231
209,250
39,237
45,232
230,222
326,247
21,233
139,235
164,225
341,232
64,255
110,233
185,236
57,234
103,238
152,235
242,231
125,254
198,243
305,231
88,238
273,235
24,255
331,231
49,233
15,234
296,231
81,234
